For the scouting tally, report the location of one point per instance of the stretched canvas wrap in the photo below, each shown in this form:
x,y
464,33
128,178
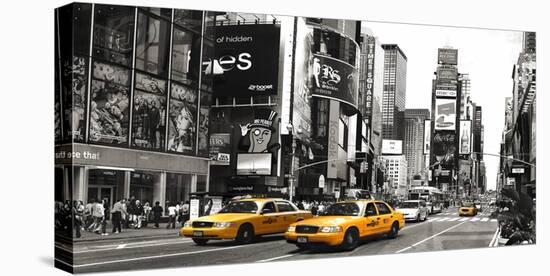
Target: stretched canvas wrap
x,y
193,138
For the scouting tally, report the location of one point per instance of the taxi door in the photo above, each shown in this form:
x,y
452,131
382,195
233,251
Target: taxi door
x,y
370,221
269,219
385,217
287,215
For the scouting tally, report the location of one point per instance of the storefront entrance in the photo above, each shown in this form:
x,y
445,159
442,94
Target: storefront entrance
x,y
102,192
105,184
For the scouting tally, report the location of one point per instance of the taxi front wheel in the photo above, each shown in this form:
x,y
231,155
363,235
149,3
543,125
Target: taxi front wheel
x,y
351,239
245,234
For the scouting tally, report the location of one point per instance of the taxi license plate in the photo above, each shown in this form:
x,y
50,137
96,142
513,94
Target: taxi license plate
x,y
197,234
302,240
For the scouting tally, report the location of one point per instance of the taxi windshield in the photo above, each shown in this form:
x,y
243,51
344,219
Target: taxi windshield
x,y
240,207
342,209
408,204
467,204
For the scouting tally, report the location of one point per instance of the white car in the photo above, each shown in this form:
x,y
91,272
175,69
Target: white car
x,y
433,207
415,210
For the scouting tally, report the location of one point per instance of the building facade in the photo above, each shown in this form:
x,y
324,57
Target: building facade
x,y
396,166
394,92
413,144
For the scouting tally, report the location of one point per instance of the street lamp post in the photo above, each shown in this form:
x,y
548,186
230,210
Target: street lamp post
x,y
292,164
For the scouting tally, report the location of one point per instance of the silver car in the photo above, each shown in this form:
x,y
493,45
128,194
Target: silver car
x,y
415,210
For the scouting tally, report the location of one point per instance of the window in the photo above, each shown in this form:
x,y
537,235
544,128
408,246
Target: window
x,y
370,210
152,45
383,209
269,206
114,33
185,57
285,206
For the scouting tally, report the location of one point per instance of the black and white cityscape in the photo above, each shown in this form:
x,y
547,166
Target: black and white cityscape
x,y
176,131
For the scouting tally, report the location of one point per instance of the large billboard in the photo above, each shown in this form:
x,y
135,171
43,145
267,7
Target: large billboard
x,y
443,149
392,146
301,116
447,56
246,60
369,85
445,114
335,79
465,137
427,135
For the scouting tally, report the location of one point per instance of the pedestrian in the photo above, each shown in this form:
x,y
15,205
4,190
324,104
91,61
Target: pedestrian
x,y
157,213
314,209
132,211
77,213
185,210
146,214
95,219
88,219
106,213
117,212
99,215
125,215
171,216
300,205
179,212
138,212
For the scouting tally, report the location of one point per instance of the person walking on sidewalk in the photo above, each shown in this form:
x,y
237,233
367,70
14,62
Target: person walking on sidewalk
x,y
138,212
87,218
95,219
99,214
185,211
117,212
132,211
125,215
77,213
146,214
106,214
157,213
171,216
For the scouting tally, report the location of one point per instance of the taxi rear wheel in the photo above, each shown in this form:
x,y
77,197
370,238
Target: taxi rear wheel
x,y
200,241
393,230
245,234
351,239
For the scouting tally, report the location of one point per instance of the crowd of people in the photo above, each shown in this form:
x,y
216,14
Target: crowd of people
x,y
96,215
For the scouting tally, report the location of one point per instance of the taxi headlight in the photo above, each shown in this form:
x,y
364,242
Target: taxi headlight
x,y
221,224
187,224
330,229
291,229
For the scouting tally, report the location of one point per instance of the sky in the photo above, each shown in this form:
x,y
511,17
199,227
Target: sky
x,y
487,55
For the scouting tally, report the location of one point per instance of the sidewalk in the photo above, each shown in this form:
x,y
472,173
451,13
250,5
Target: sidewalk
x,y
145,232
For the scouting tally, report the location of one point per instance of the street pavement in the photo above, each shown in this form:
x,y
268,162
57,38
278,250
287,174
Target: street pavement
x,y
443,231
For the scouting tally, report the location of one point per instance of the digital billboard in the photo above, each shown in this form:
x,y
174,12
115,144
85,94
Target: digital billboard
x,y
445,114
447,56
443,149
246,60
465,137
427,136
254,163
335,79
392,146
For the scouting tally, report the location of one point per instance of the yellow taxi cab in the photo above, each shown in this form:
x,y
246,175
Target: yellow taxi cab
x,y
467,209
243,220
344,223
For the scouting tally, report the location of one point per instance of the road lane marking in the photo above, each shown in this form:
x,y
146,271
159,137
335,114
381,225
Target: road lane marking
x,y
474,219
163,256
428,238
494,240
127,246
485,219
121,246
275,258
453,219
445,218
464,219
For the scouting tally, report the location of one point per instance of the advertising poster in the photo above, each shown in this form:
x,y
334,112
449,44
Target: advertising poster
x,y
74,85
445,114
194,207
465,137
392,147
204,123
109,107
57,108
220,149
182,127
427,135
150,84
148,124
447,75
447,56
302,87
334,79
246,60
443,148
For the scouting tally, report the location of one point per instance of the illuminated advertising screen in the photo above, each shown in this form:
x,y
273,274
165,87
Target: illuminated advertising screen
x,y
254,163
443,149
427,135
392,146
447,56
335,79
445,114
465,137
246,60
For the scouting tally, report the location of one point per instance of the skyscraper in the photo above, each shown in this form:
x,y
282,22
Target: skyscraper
x,y
394,92
414,140
465,100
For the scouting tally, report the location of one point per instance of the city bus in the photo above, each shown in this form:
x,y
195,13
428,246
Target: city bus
x,y
433,197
